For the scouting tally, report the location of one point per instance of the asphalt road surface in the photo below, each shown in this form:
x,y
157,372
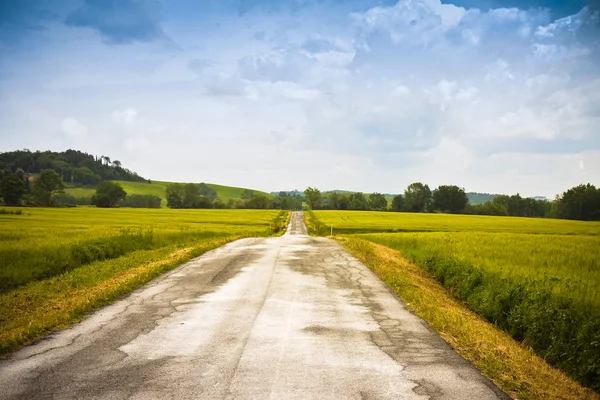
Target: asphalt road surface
x,y
292,317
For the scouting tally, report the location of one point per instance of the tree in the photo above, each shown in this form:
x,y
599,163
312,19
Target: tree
x,y
218,203
377,201
357,201
108,194
247,194
580,202
417,197
313,197
518,206
174,195
85,176
65,163
343,202
398,203
334,200
202,202
258,202
12,189
191,195
487,208
207,191
450,199
141,201
289,201
45,185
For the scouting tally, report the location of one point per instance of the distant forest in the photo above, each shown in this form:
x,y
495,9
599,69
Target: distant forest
x,y
73,166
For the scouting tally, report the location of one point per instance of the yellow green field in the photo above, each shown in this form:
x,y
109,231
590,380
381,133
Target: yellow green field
x,y
537,279
56,264
371,221
566,263
158,188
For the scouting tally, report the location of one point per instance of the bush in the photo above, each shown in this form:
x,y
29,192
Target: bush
x,y
10,212
141,201
64,199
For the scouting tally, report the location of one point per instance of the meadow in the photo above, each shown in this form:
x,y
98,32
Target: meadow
x,y
56,264
158,188
345,222
537,279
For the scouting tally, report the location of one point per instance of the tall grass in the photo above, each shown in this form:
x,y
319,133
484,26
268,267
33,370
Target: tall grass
x,y
49,242
566,265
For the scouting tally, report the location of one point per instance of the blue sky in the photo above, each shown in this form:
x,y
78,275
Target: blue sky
x,y
494,96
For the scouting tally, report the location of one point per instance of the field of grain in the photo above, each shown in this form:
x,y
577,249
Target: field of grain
x,y
57,264
344,222
567,264
538,279
44,242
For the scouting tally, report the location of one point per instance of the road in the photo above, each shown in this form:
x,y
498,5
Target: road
x,y
291,317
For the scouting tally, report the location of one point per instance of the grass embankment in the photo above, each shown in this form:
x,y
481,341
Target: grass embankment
x,y
516,369
540,288
58,264
158,188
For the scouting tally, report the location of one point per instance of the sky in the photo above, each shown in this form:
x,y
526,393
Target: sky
x,y
496,96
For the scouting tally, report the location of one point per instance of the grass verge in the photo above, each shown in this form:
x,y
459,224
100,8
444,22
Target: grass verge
x,y
515,368
32,311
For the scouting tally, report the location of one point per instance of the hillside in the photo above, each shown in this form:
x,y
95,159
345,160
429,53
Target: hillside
x,y
158,188
73,166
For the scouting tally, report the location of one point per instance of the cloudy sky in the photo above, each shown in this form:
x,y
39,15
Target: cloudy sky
x,y
498,96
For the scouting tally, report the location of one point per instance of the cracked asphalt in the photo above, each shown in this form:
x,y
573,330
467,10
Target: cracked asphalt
x,y
292,317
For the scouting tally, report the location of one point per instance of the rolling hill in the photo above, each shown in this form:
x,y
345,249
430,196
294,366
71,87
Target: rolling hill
x,y
159,188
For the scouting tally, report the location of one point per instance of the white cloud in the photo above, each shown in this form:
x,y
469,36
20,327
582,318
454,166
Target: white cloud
x,y
467,93
127,117
73,128
498,72
282,90
417,21
400,90
138,143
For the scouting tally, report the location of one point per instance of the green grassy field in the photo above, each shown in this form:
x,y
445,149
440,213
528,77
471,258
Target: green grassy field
x,y
158,188
45,242
568,264
538,279
370,221
56,264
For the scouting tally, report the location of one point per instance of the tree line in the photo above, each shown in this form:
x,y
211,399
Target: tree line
x,y
74,167
48,190
192,195
580,202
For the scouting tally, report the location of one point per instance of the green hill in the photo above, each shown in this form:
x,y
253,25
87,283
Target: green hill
x,y
159,188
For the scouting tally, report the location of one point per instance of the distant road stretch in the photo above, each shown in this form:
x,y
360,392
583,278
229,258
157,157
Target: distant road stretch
x,y
290,317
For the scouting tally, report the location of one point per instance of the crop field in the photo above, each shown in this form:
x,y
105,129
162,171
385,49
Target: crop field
x,y
88,256
567,264
370,221
537,279
45,242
